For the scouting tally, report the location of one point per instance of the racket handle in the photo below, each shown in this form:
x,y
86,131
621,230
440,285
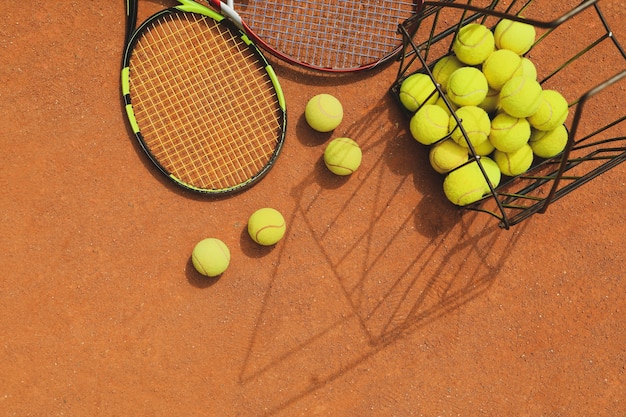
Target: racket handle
x,y
131,18
227,9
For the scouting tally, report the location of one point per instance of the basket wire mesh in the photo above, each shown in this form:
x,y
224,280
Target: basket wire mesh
x,y
597,113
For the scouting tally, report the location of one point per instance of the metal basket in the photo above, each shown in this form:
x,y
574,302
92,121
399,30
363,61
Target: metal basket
x,y
596,142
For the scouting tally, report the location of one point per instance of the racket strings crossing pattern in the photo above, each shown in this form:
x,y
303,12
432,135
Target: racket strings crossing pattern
x,y
342,34
211,119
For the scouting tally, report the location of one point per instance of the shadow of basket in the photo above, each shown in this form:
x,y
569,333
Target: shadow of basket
x,y
596,121
382,262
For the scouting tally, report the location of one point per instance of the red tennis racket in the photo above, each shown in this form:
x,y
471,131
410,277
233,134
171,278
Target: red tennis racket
x,y
341,36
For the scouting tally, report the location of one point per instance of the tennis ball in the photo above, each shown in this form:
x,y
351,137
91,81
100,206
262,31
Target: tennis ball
x,y
547,144
465,185
516,162
520,97
342,156
552,111
266,226
527,69
500,67
493,173
475,122
467,86
416,90
447,155
441,103
484,149
508,133
518,37
210,257
473,44
490,103
323,112
444,68
429,124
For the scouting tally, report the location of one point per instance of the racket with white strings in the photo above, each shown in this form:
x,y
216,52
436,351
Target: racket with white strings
x,y
201,98
339,36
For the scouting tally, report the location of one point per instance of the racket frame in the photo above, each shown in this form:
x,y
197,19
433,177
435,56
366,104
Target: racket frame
x,y
133,34
228,9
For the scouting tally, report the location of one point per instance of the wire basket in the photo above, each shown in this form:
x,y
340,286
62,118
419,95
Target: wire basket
x,y
596,137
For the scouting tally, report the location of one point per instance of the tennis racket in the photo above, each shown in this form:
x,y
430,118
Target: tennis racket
x,y
201,99
339,36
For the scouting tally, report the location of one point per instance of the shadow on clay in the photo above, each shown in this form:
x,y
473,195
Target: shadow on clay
x,y
387,254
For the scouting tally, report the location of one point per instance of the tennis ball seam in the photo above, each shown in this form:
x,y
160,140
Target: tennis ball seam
x,y
324,111
198,262
548,120
508,162
507,127
447,155
264,228
482,43
208,265
435,123
329,154
468,193
471,93
474,45
508,34
350,170
225,253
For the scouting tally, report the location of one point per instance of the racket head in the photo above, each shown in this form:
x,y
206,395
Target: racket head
x,y
345,36
202,100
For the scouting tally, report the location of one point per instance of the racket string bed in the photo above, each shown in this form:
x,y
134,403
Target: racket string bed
x,y
195,103
345,34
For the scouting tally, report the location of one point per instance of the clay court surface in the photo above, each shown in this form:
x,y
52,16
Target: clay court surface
x,y
383,299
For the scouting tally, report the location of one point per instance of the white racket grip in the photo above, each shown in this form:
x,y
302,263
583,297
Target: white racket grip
x,y
228,11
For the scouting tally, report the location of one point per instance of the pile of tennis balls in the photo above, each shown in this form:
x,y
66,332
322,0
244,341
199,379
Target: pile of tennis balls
x,y
506,114
324,113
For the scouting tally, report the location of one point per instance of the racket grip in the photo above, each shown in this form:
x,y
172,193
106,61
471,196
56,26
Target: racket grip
x,y
131,18
228,11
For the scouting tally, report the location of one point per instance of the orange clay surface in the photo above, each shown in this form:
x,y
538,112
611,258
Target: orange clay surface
x,y
382,299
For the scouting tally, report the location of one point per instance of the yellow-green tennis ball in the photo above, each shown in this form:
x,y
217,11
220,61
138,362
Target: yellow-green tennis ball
x,y
342,156
266,226
517,36
547,144
447,155
552,111
467,86
520,97
473,44
490,103
516,162
441,103
429,124
416,90
527,69
210,257
484,149
444,68
465,185
500,67
493,172
475,122
509,133
323,112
